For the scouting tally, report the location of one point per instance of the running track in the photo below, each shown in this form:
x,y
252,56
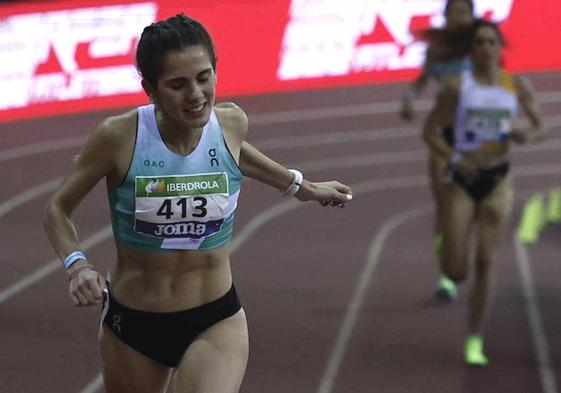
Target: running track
x,y
338,300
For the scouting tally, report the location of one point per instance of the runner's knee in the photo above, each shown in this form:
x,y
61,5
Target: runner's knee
x,y
482,262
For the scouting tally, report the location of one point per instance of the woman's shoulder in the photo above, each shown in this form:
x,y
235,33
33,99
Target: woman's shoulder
x,y
232,118
451,85
118,127
522,85
229,111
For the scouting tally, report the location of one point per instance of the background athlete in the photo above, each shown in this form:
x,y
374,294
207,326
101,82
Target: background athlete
x,y
445,58
481,104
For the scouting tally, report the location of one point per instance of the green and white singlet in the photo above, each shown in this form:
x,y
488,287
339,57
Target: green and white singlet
x,y
172,202
485,114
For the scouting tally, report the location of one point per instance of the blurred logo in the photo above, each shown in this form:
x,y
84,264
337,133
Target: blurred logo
x,y
71,54
337,38
155,186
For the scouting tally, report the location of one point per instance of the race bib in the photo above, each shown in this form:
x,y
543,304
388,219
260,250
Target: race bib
x,y
489,129
189,206
487,125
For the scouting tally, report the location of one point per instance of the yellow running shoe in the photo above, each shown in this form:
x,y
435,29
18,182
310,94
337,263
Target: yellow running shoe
x,y
446,289
473,351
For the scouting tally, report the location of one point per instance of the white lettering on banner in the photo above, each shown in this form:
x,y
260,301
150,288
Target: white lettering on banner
x,y
336,38
71,54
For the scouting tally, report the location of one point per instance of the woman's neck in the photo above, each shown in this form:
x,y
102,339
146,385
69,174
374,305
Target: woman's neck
x,y
176,137
487,75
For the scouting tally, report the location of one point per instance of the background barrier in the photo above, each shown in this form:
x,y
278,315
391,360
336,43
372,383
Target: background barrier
x,y
67,56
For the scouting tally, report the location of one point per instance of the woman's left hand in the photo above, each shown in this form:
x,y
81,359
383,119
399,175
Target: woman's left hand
x,y
330,193
518,136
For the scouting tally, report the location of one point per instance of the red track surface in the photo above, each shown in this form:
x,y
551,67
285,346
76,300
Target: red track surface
x,y
301,271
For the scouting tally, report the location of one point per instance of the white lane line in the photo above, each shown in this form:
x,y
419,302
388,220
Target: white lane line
x,y
329,138
394,183
535,319
402,182
276,210
41,147
355,306
354,161
294,116
371,108
28,195
280,208
51,266
417,180
94,385
361,289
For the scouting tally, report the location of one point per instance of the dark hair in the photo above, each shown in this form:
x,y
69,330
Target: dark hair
x,y
449,4
167,35
446,44
480,23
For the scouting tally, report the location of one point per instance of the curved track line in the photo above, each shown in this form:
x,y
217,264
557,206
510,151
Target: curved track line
x,y
292,116
51,266
281,208
355,305
535,319
401,157
274,211
41,147
353,310
349,321
28,195
372,108
94,385
339,163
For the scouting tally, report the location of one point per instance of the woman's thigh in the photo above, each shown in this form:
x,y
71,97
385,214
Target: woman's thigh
x,y
494,212
125,370
458,217
437,167
215,362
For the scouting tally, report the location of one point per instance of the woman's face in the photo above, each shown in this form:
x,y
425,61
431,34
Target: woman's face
x,y
459,14
486,47
186,86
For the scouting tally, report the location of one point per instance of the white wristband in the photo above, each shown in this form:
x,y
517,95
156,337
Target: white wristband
x,y
455,158
294,186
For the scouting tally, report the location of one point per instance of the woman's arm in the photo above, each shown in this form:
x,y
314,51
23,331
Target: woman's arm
x,y
527,99
415,89
258,166
441,115
97,159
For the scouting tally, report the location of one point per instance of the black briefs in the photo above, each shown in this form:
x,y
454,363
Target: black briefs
x,y
165,336
484,183
448,134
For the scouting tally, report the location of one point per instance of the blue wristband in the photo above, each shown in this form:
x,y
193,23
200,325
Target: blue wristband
x,y
73,257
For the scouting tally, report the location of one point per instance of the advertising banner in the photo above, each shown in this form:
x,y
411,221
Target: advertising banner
x,y
65,56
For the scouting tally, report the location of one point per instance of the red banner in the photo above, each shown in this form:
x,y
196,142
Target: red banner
x,y
66,56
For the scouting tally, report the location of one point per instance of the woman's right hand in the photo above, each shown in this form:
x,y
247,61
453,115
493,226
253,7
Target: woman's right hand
x,y
467,168
87,287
